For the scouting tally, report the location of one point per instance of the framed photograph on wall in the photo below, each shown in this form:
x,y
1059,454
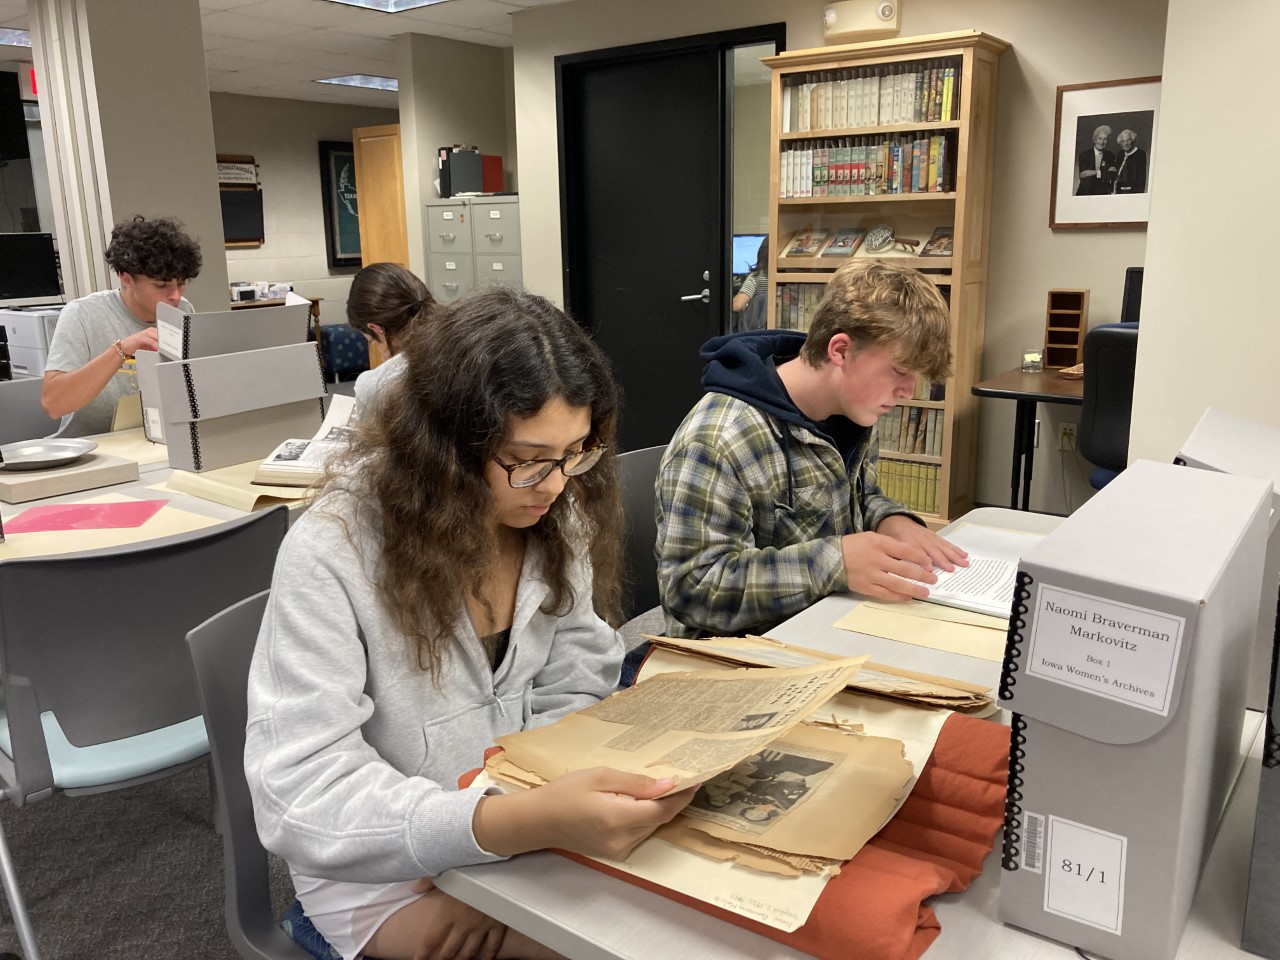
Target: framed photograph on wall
x,y
341,210
1103,137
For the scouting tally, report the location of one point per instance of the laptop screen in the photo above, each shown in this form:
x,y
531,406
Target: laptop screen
x,y
745,248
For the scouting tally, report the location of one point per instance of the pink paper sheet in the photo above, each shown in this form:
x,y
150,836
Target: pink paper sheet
x,y
84,516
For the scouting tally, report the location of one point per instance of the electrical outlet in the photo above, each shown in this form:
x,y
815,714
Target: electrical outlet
x,y
1066,436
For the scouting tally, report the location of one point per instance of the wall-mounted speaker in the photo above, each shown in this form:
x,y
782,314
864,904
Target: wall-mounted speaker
x,y
853,20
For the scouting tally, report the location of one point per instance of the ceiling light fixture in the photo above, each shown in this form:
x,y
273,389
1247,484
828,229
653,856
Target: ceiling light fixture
x,y
15,38
388,6
364,80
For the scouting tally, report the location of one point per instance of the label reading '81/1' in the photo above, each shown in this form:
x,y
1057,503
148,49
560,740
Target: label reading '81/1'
x,y
1084,874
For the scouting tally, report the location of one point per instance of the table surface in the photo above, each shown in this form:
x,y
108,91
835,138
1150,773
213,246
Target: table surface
x,y
1047,386
588,916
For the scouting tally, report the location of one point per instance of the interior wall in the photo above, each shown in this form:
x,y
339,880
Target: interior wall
x,y
1052,44
751,158
283,136
1209,331
451,92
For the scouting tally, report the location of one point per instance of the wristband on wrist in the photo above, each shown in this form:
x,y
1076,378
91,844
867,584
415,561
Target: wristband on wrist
x,y
120,350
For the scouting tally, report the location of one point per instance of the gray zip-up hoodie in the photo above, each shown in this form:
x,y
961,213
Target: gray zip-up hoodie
x,y
352,754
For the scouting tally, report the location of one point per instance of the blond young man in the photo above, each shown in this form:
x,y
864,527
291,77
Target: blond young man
x,y
767,496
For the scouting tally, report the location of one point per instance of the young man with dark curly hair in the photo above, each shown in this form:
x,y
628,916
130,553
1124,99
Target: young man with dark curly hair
x,y
767,495
95,336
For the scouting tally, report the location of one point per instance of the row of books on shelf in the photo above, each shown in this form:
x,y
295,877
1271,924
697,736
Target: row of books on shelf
x,y
867,166
911,430
914,485
794,306
923,91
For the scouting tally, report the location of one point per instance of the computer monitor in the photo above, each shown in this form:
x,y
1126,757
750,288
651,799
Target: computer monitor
x,y
28,266
1131,305
745,248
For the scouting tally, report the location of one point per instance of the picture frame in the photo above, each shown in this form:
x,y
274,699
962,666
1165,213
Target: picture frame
x,y
341,206
1098,181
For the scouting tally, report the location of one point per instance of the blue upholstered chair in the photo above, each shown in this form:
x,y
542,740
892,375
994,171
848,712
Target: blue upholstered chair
x,y
1110,355
343,350
97,682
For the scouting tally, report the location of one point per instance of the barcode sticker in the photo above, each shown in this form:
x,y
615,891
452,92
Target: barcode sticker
x,y
1084,879
1033,842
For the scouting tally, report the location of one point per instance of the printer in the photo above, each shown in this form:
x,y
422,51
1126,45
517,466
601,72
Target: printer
x,y
30,331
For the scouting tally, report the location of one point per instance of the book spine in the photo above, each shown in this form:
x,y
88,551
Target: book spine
x,y
948,84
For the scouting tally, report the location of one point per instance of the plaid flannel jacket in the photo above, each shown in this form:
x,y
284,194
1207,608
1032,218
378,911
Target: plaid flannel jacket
x,y
750,513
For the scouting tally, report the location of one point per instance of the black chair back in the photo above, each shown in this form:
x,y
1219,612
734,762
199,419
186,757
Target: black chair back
x,y
1110,356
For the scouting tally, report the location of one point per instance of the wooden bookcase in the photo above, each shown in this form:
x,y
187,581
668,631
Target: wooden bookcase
x,y
935,474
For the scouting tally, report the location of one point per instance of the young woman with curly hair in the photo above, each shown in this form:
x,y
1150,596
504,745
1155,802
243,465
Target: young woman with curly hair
x,y
450,584
95,336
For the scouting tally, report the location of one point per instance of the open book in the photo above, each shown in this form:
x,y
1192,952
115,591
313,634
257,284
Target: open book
x,y
986,585
300,463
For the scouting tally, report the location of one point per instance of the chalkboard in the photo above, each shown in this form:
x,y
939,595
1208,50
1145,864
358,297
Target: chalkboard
x,y
242,216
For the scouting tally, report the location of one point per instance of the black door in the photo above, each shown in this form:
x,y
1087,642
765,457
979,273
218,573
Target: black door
x,y
644,195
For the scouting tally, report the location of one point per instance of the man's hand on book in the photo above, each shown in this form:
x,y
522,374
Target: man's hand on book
x,y
598,812
942,554
879,566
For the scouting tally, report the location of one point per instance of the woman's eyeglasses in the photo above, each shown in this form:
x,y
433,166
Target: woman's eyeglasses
x,y
526,473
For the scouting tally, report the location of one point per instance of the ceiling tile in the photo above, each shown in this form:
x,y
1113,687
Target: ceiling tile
x,y
310,13
232,24
337,41
271,51
488,38
471,14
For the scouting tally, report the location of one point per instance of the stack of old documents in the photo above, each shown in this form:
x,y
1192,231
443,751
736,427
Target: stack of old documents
x,y
795,768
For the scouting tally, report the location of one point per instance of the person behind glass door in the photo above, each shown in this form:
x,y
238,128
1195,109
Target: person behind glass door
x,y
751,303
96,336
384,303
443,591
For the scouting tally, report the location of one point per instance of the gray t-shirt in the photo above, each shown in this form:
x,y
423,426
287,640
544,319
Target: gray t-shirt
x,y
85,328
372,384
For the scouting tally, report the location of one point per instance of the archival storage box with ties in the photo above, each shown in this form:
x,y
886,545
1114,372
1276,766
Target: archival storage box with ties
x,y
1125,669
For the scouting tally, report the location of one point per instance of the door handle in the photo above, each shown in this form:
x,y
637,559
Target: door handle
x,y
704,296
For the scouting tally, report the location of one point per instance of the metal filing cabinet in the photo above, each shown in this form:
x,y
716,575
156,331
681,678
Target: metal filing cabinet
x,y
472,241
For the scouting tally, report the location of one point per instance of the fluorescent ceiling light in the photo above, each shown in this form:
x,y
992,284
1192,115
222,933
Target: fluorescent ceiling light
x,y
388,6
364,80
15,38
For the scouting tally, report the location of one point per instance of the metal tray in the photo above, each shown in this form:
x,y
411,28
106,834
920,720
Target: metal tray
x,y
43,454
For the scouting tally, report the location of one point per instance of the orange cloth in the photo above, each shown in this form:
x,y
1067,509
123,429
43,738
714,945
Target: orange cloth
x,y
874,909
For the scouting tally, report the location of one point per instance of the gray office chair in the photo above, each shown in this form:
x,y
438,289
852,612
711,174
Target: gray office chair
x,y
638,470
98,691
21,416
221,649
